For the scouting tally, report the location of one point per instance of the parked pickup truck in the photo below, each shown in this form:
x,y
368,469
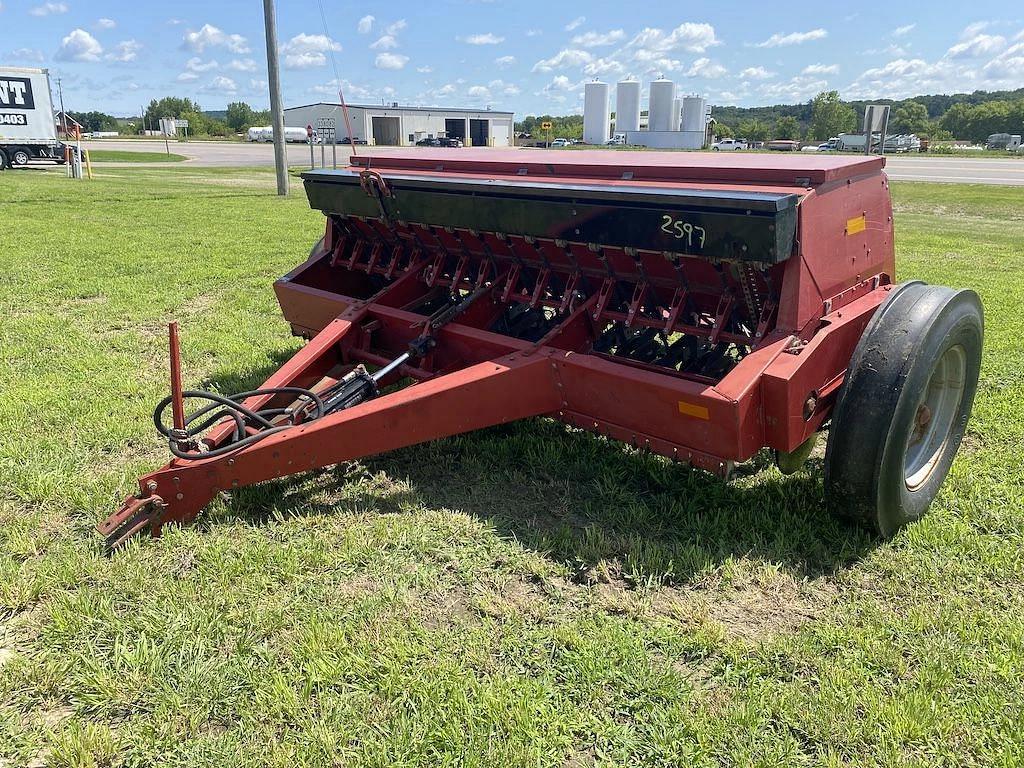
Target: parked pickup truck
x,y
729,145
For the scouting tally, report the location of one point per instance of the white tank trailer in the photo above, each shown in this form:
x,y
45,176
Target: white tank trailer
x,y
627,106
660,106
596,113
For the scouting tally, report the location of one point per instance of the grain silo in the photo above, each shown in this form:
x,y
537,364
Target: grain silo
x,y
661,105
694,118
596,114
627,106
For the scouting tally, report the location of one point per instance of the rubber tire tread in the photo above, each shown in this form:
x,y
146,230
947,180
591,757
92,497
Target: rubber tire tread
x,y
877,403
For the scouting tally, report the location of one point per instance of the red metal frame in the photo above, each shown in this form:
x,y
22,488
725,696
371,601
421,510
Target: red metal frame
x,y
804,318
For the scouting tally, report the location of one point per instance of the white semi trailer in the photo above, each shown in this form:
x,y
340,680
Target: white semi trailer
x,y
27,127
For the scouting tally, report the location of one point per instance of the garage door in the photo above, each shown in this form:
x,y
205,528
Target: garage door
x,y
386,131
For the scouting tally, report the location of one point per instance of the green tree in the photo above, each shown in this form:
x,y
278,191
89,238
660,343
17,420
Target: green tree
x,y
830,116
723,131
95,121
956,120
170,106
911,117
753,130
786,128
239,116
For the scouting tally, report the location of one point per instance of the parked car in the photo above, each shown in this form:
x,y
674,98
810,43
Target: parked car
x,y
784,145
561,143
617,140
449,141
349,140
429,141
729,145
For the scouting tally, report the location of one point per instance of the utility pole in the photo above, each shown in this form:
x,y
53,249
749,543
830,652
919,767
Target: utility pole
x,y
274,80
63,114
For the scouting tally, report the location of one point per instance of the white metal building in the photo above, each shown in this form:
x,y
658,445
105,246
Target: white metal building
x,y
396,125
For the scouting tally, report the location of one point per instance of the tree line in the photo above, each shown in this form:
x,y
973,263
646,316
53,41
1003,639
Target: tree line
x,y
237,118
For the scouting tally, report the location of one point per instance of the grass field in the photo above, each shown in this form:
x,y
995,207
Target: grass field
x,y
129,156
524,596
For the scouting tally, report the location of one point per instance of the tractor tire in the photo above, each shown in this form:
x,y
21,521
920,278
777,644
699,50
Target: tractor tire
x,y
3,160
20,156
904,405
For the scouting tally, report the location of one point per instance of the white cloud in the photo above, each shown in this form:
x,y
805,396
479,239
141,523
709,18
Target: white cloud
x,y
365,24
242,65
598,39
305,51
485,38
793,38
479,92
505,61
209,36
653,46
567,57
390,61
534,32
27,54
105,23
396,27
426,69
756,73
974,46
187,77
901,78
575,23
604,67
704,67
125,51
79,45
220,84
511,89
257,85
384,43
195,64
796,89
901,31
1008,66
49,9
820,69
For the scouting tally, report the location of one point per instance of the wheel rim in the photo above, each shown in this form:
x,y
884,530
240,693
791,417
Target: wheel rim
x,y
20,158
934,417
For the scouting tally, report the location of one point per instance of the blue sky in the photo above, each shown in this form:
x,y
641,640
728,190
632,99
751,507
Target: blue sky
x,y
527,56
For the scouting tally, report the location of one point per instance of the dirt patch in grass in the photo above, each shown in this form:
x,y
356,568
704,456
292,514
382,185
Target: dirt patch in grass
x,y
755,613
756,610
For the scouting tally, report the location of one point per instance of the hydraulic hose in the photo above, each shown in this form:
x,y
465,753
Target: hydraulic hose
x,y
221,407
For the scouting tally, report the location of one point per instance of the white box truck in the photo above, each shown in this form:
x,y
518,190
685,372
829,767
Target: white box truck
x,y
27,127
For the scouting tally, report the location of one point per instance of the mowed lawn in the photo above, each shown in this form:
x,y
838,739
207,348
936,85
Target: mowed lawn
x,y
523,596
128,156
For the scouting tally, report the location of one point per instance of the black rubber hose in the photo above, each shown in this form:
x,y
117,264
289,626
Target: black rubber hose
x,y
231,407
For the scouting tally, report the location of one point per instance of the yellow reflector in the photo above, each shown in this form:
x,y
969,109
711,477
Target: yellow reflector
x,y
690,409
859,224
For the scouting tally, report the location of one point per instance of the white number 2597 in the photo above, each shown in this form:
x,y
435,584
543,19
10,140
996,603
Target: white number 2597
x,y
684,230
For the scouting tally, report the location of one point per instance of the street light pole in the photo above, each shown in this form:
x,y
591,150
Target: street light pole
x,y
274,81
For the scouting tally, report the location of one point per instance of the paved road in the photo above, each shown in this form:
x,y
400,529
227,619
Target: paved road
x,y
956,170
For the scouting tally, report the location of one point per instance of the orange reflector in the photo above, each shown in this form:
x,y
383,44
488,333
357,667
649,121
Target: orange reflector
x,y
859,224
690,409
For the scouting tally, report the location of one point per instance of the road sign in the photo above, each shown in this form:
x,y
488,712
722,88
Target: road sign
x,y
325,123
546,125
